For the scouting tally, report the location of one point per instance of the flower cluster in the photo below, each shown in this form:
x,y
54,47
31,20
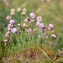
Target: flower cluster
x,y
10,28
31,24
41,25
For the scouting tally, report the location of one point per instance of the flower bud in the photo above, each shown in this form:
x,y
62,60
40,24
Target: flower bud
x,y
25,10
12,13
23,13
18,9
12,10
8,17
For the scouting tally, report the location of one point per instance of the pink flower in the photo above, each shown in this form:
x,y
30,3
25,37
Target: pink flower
x,y
12,22
5,40
32,15
43,27
53,36
50,27
41,24
8,17
9,27
7,35
43,30
29,30
32,21
19,24
39,18
46,37
38,23
14,30
39,36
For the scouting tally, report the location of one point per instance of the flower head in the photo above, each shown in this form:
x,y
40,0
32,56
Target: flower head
x,y
19,24
24,24
24,10
39,36
14,30
53,36
46,37
32,20
26,20
9,27
38,23
29,30
12,22
39,18
29,20
43,30
18,9
7,35
32,15
23,13
5,40
43,27
8,17
50,27
12,13
12,10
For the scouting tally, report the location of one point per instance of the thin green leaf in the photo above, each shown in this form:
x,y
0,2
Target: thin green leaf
x,y
44,53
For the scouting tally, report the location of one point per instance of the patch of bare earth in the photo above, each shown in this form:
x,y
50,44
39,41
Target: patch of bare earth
x,y
32,55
